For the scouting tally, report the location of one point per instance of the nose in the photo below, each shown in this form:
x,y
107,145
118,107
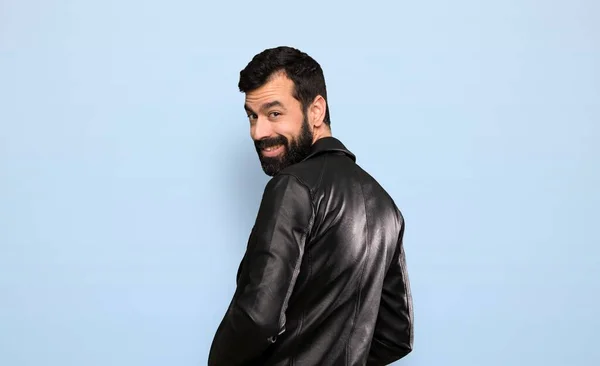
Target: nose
x,y
261,129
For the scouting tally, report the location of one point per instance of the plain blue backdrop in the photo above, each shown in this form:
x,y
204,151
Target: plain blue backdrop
x,y
129,183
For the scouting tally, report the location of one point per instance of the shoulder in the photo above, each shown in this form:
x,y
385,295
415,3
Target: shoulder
x,y
306,173
287,187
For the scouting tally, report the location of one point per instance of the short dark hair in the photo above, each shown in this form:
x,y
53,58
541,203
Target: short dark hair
x,y
303,70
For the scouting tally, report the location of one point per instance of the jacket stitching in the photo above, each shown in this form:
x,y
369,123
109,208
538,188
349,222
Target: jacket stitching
x,y
310,191
303,239
297,267
360,280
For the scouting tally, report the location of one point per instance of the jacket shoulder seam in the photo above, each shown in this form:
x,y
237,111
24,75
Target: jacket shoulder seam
x,y
305,185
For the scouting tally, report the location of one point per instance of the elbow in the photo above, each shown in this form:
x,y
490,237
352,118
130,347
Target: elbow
x,y
403,349
403,346
385,353
407,346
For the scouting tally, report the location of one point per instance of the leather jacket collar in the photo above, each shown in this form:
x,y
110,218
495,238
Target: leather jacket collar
x,y
329,144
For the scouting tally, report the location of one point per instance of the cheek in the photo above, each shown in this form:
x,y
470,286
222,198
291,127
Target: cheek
x,y
291,137
290,129
279,129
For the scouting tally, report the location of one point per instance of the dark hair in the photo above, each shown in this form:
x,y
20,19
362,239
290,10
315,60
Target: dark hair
x,y
302,69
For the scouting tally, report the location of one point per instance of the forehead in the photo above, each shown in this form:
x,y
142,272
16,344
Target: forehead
x,y
279,87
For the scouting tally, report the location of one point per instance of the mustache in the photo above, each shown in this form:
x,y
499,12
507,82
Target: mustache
x,y
269,142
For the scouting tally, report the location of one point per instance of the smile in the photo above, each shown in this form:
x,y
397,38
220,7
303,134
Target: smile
x,y
272,151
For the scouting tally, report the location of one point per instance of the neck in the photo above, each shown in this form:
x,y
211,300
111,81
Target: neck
x,y
325,132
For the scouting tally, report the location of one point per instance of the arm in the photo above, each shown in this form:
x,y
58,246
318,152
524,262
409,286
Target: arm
x,y
393,335
256,315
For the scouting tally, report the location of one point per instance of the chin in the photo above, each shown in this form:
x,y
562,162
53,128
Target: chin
x,y
270,171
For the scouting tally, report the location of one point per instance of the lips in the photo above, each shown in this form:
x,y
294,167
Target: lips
x,y
272,150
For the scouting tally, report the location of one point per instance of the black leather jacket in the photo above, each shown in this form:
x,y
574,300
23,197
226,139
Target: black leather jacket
x,y
323,281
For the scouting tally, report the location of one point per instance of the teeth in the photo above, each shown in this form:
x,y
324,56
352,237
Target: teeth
x,y
268,149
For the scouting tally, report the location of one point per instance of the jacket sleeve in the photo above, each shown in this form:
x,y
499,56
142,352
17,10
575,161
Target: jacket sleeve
x,y
393,335
256,315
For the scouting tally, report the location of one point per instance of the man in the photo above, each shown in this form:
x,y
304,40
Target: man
x,y
323,280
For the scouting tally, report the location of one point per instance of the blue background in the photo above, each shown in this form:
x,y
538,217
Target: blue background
x,y
129,183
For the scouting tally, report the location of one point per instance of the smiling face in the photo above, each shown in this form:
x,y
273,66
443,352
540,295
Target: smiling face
x,y
281,131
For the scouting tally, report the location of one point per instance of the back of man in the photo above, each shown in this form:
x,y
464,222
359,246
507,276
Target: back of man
x,y
355,238
323,280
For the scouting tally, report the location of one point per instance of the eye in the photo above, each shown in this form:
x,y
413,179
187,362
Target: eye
x,y
274,114
252,116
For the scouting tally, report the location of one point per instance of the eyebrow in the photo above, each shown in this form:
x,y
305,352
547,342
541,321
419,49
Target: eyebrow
x,y
265,106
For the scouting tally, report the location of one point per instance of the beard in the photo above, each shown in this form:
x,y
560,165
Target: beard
x,y
294,151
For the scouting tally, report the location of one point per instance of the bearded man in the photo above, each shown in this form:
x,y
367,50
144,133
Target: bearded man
x,y
323,280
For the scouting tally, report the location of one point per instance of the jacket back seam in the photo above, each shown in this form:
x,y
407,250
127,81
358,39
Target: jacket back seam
x,y
362,273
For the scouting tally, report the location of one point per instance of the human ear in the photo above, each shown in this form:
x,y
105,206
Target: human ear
x,y
317,111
